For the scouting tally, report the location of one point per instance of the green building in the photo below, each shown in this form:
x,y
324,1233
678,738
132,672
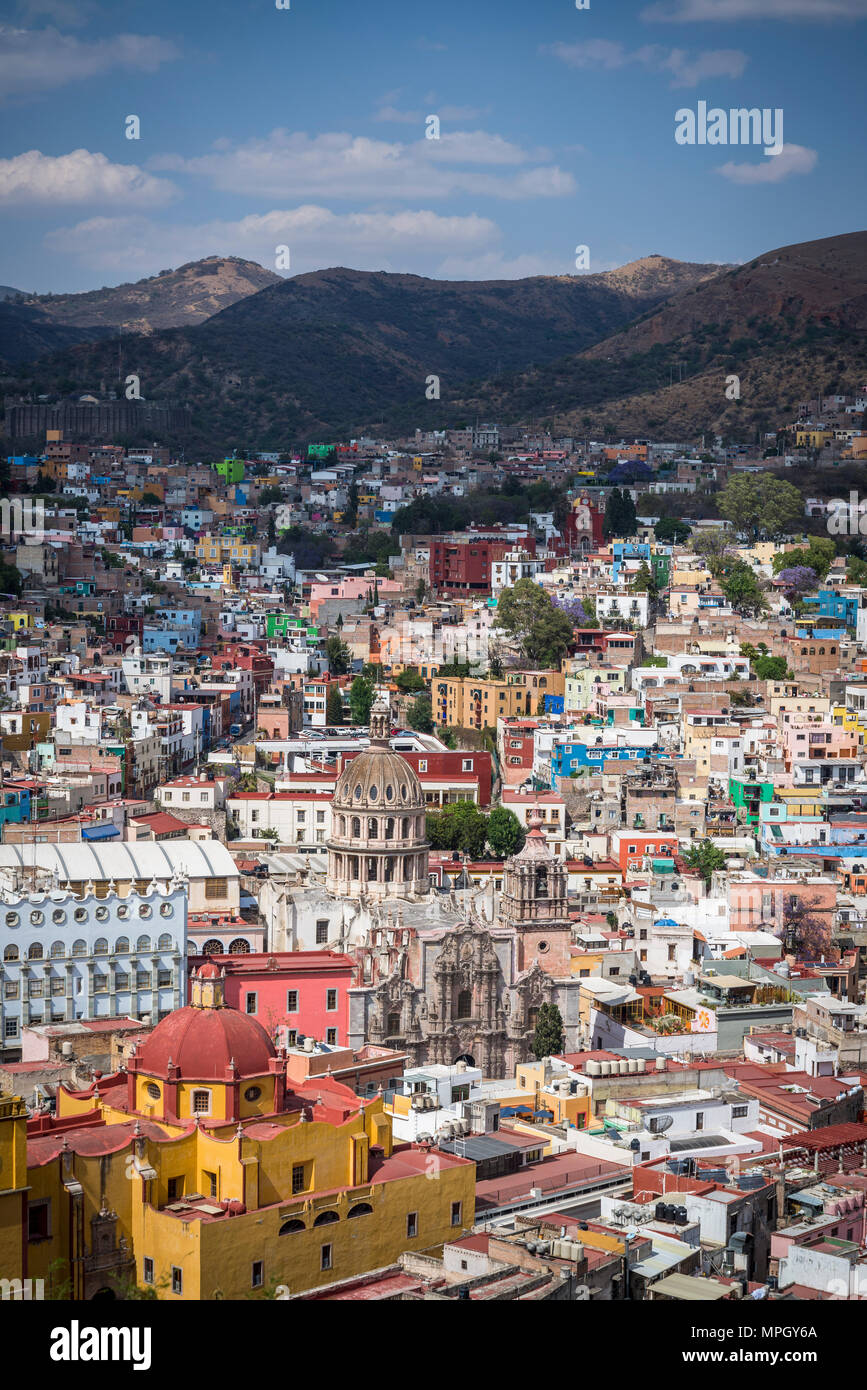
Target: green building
x,y
321,451
231,469
748,796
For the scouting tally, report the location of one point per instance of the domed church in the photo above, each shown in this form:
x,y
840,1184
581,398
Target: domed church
x,y
378,850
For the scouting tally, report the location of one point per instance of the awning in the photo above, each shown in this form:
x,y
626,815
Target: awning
x,y
106,831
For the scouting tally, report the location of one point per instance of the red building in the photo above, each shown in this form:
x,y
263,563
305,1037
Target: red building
x,y
246,657
308,991
629,847
464,567
467,771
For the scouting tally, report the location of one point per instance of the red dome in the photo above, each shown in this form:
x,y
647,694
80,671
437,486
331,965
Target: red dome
x,y
208,971
202,1042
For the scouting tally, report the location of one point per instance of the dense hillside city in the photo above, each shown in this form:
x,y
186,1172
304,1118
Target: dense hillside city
x,y
479,806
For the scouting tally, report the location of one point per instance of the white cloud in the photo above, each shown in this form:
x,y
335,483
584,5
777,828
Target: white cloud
x,y
686,70
69,13
792,159
495,265
728,11
339,165
78,177
393,115
131,247
39,60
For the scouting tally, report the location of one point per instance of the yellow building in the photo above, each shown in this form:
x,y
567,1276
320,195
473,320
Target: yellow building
x,y
222,550
469,703
813,439
198,1173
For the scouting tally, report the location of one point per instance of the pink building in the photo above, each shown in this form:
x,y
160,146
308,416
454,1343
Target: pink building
x,y
759,904
307,991
353,587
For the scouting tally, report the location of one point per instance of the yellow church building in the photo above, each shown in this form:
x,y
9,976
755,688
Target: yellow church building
x,y
196,1172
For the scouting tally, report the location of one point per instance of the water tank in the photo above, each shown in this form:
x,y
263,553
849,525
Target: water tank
x,y
659,1211
688,979
642,1065
564,1088
633,1065
660,1064
309,1044
751,1182
680,1216
593,1068
605,1068
66,1049
461,1065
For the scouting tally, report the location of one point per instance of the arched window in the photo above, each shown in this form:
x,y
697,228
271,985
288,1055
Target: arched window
x,y
79,948
341,822
201,1103
143,943
392,1026
356,827
389,827
35,952
10,953
372,828
212,947
121,946
326,1218
57,949
465,1004
293,1225
541,883
360,1209
371,870
100,946
165,942
404,828
239,947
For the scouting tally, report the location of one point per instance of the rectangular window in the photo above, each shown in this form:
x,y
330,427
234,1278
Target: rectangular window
x,y
39,1220
251,1003
209,1183
298,1183
321,933
258,1274
175,1189
177,1280
331,1037
331,1000
412,1225
740,1112
292,1001
216,888
325,1262
147,1270
457,1208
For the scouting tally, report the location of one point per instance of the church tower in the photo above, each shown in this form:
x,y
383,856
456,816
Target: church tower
x,y
533,902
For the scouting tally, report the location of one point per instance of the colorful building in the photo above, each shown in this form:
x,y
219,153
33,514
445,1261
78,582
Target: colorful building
x,y
198,1173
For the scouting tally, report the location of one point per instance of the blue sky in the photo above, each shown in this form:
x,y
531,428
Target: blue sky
x,y
306,128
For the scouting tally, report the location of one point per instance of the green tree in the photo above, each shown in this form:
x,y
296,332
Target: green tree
x,y
338,656
460,827
760,504
548,1037
506,834
706,858
11,581
742,589
542,631
770,668
620,518
362,694
817,556
409,681
420,715
334,705
644,582
672,531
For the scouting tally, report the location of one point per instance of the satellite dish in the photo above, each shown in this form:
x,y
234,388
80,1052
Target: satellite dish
x,y
661,1123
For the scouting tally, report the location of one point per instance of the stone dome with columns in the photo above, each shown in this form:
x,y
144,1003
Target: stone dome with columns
x,y
378,848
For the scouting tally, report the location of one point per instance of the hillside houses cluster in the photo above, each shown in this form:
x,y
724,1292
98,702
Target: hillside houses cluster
x,y
303,846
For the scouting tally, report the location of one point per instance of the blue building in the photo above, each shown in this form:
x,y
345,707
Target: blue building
x,y
828,603
67,957
567,758
14,805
